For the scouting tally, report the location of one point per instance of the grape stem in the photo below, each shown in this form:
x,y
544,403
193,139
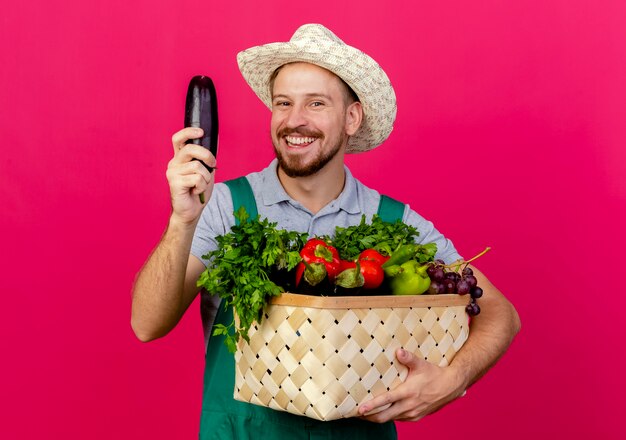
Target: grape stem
x,y
456,266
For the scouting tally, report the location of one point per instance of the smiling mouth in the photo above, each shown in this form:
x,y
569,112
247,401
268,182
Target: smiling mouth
x,y
299,141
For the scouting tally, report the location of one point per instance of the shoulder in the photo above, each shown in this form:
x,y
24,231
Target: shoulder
x,y
428,233
369,200
359,197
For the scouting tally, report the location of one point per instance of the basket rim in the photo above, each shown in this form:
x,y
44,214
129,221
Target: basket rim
x,y
369,302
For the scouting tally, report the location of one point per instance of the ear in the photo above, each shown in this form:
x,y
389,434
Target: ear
x,y
354,117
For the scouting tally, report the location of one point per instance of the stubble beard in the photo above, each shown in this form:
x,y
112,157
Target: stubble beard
x,y
294,166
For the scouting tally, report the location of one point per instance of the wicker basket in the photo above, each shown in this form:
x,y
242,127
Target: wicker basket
x,y
324,356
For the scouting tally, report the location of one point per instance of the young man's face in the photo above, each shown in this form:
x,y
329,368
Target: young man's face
x,y
310,118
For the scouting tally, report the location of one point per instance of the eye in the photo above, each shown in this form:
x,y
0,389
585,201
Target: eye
x,y
281,104
317,103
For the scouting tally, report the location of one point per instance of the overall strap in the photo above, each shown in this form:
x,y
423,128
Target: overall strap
x,y
242,195
390,210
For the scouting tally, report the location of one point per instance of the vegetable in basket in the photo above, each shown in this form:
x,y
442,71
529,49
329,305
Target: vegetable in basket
x,y
366,272
241,268
412,279
405,270
319,260
384,237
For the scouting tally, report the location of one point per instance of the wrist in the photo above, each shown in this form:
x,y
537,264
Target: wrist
x,y
460,379
181,225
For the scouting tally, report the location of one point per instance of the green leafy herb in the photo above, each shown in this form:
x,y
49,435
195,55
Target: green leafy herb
x,y
241,268
385,237
426,252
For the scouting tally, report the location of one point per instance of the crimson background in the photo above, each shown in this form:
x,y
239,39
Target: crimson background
x,y
510,133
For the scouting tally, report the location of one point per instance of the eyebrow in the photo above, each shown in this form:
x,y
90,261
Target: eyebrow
x,y
308,95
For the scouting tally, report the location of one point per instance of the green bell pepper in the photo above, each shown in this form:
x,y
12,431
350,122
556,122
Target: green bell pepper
x,y
410,279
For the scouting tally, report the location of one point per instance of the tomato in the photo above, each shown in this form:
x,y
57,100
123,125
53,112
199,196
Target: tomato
x,y
373,255
372,272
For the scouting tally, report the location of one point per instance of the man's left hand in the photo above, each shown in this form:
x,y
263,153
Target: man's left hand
x,y
426,389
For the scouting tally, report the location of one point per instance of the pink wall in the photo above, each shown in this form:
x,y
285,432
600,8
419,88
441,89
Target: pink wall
x,y
510,133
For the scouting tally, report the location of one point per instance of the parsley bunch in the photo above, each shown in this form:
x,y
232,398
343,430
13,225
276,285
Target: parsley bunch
x,y
385,237
241,268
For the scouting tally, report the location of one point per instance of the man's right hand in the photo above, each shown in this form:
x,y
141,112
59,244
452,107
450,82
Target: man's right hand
x,y
188,178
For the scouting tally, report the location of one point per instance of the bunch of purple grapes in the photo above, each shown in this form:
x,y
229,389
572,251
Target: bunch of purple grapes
x,y
442,281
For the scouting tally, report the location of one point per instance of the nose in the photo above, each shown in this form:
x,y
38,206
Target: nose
x,y
296,117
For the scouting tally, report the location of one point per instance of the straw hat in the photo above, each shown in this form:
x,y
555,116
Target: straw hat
x,y
315,44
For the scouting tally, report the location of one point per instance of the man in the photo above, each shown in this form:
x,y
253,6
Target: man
x,y
327,99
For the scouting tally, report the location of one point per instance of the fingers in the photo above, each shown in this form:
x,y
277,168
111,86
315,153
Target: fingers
x,y
190,151
194,167
401,404
186,171
184,152
176,167
187,176
426,388
181,137
404,402
393,414
380,407
410,360
399,410
194,183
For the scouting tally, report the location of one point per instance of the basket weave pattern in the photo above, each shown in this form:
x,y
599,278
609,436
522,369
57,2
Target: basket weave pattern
x,y
323,362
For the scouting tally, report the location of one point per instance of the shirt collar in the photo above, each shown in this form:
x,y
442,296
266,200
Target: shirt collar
x,y
273,191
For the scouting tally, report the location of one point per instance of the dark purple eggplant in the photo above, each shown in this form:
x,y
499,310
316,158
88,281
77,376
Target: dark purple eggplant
x,y
201,111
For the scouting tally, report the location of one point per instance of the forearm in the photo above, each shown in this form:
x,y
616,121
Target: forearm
x,y
491,333
159,291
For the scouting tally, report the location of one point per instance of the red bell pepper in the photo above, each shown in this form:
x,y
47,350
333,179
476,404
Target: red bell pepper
x,y
318,260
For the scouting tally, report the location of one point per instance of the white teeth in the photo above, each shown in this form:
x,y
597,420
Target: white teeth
x,y
299,140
